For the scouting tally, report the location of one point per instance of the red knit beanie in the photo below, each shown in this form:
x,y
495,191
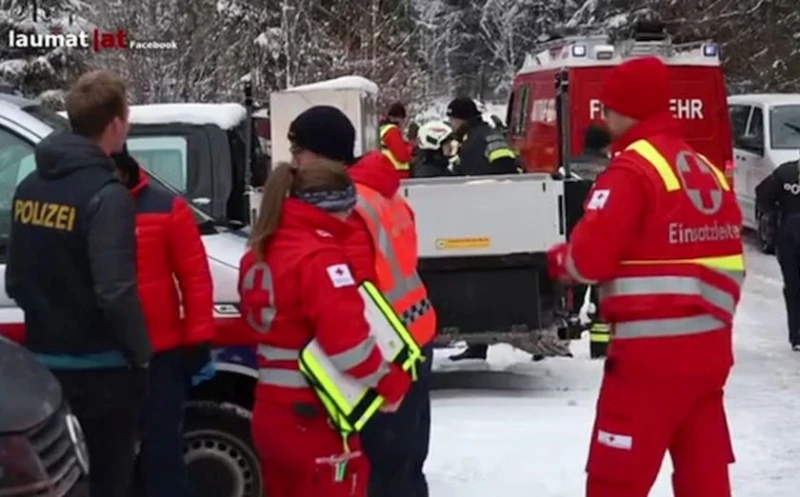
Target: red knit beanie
x,y
638,88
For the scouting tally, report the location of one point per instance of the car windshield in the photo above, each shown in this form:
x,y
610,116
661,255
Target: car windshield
x,y
163,155
785,127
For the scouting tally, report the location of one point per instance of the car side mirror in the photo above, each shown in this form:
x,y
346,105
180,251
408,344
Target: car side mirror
x,y
751,143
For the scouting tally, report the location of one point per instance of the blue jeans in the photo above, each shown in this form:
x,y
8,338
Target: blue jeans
x,y
396,444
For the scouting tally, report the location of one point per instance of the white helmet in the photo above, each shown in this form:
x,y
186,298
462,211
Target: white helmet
x,y
432,135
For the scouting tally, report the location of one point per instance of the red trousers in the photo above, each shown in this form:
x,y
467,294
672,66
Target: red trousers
x,y
302,456
639,419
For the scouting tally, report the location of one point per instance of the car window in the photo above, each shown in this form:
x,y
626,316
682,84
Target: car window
x,y
756,127
785,127
16,162
165,156
739,115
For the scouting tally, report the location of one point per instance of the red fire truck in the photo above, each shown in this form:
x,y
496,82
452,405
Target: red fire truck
x,y
555,95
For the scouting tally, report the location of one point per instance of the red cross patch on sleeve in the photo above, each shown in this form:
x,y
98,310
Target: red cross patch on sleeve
x,y
340,275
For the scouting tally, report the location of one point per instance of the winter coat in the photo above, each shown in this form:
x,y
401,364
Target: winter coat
x,y
375,171
479,139
430,164
171,258
310,294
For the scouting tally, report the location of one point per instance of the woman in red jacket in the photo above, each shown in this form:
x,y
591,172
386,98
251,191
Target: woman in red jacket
x,y
295,286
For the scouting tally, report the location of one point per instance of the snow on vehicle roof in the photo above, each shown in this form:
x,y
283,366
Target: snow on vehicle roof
x,y
342,83
766,98
226,116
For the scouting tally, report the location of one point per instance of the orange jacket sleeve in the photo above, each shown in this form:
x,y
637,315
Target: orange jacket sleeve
x,y
397,145
336,308
190,266
613,215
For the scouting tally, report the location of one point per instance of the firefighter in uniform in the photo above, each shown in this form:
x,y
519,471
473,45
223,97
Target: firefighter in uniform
x,y
296,287
393,145
670,269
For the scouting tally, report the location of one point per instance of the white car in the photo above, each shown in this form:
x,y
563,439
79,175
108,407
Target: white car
x,y
765,129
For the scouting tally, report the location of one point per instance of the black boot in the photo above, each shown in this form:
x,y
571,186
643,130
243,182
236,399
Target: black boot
x,y
472,352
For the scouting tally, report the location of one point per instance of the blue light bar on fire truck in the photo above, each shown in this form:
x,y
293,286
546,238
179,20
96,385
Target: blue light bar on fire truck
x,y
710,50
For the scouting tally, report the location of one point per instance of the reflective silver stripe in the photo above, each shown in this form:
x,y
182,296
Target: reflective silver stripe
x,y
373,379
250,282
278,354
354,356
402,285
668,327
569,266
668,285
282,378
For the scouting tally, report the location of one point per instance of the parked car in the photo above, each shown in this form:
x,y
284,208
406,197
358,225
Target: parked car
x,y
766,133
42,449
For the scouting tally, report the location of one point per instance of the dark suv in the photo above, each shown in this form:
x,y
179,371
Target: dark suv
x,y
42,449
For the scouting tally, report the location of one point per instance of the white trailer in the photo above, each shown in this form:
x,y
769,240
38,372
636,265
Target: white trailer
x,y
353,95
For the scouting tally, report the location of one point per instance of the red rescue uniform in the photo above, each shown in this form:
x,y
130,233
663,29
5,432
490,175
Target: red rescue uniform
x,y
661,237
396,149
303,289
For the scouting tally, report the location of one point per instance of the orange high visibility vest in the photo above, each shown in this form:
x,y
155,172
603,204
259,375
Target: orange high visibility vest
x,y
395,239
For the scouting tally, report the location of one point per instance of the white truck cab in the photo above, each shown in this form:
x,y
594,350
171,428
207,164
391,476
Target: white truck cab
x,y
765,130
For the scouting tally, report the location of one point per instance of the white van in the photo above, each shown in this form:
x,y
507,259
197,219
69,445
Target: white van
x,y
765,130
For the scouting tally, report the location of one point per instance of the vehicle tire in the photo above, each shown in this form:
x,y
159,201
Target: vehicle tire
x,y
221,460
765,232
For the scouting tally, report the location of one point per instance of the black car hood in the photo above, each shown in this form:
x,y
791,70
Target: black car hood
x,y
29,393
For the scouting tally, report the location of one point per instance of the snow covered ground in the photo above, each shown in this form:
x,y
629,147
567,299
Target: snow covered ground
x,y
534,441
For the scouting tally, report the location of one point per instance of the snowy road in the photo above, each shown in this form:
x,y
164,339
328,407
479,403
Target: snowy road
x,y
533,442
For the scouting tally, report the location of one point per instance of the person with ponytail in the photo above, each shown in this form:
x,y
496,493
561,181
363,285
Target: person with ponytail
x,y
295,286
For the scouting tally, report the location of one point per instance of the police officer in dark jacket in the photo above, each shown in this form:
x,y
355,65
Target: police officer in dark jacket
x,y
72,270
780,193
483,150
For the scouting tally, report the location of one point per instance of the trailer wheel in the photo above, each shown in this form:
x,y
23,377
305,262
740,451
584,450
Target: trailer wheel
x,y
220,458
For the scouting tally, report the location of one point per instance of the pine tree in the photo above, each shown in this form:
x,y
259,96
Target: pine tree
x,y
34,71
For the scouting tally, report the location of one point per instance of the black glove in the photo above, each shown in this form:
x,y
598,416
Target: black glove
x,y
196,356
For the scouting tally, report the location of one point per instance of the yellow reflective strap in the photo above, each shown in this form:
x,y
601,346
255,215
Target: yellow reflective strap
x,y
721,179
385,129
339,410
725,262
326,395
599,337
400,166
502,153
654,157
414,350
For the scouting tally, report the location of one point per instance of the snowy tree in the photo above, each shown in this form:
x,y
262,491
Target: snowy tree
x,y
33,70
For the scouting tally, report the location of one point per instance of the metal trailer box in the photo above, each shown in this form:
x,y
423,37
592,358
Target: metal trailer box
x,y
353,95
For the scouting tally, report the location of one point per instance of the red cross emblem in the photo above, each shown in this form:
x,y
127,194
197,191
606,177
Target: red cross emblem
x,y
700,183
256,294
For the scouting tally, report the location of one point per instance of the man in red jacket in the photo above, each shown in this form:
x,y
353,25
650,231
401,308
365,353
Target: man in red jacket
x,y
393,145
176,291
661,236
397,443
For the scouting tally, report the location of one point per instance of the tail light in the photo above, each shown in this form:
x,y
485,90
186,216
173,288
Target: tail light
x,y
728,171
